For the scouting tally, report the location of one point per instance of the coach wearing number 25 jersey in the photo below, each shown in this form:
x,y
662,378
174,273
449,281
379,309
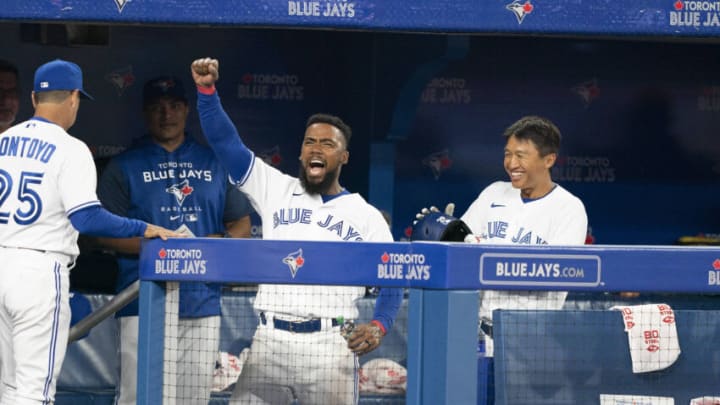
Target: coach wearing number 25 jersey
x,y
47,196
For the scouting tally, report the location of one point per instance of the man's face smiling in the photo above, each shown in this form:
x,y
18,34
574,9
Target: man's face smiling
x,y
528,171
322,154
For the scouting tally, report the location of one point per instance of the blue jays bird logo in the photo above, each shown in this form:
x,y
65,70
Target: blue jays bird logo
x,y
121,79
121,4
520,9
180,191
164,84
588,91
271,156
438,162
294,261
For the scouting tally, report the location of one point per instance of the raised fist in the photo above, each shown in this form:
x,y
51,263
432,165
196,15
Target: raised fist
x,y
205,71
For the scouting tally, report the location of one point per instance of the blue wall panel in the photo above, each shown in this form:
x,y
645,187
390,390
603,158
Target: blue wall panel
x,y
694,18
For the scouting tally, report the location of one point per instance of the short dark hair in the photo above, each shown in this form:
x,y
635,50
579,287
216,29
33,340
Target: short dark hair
x,y
7,66
334,121
541,131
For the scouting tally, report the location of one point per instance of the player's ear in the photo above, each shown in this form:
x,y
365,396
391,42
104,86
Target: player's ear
x,y
550,160
34,100
344,157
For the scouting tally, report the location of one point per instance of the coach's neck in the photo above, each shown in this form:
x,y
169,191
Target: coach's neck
x,y
60,109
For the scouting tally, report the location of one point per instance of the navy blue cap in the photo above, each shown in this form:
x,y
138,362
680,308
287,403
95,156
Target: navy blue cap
x,y
59,75
163,86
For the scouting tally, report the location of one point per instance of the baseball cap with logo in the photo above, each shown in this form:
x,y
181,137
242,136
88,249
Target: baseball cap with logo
x,y
163,86
59,75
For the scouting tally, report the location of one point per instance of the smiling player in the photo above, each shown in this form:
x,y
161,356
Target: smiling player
x,y
530,209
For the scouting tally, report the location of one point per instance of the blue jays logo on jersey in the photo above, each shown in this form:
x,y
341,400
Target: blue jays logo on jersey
x,y
121,78
438,162
271,156
520,9
294,261
180,191
588,91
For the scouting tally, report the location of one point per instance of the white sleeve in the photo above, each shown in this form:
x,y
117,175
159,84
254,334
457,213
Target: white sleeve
x,y
571,226
378,228
475,216
265,184
77,179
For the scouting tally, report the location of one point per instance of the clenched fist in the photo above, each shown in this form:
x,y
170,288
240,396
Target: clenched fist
x,y
205,71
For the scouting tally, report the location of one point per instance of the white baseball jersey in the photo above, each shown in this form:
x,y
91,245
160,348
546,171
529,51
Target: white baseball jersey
x,y
500,216
289,213
41,185
45,175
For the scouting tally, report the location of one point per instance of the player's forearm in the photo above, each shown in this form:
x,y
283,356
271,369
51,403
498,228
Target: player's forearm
x,y
97,221
387,305
222,135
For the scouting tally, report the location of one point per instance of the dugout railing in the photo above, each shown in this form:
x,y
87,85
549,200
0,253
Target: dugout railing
x,y
443,280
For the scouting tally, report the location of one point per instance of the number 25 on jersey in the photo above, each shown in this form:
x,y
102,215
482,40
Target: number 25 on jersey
x,y
30,202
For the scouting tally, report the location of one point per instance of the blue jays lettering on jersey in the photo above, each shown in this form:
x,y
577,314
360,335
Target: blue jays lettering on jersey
x,y
501,216
185,187
335,225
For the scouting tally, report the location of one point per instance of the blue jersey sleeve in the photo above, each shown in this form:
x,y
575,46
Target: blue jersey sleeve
x,y
113,189
222,136
97,221
387,306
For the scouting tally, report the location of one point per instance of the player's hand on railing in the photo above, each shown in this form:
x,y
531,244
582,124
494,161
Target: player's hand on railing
x,y
205,71
154,231
365,338
449,210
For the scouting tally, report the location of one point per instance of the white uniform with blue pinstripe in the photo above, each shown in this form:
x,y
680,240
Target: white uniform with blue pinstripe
x,y
45,175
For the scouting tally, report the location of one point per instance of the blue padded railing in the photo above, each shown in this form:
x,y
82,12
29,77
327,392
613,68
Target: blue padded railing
x,y
443,279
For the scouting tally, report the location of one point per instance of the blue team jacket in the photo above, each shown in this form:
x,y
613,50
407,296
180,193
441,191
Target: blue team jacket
x,y
187,186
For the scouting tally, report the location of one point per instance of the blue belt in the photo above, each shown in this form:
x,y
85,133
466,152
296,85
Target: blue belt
x,y
313,325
